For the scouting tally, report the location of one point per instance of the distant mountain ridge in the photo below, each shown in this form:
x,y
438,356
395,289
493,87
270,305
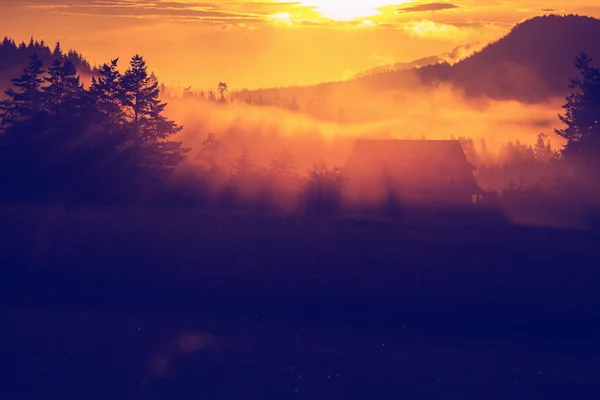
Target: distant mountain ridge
x,y
456,55
533,62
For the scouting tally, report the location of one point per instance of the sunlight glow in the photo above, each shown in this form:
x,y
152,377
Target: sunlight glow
x,y
348,10
282,17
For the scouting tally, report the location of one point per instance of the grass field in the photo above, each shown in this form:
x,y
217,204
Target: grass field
x,y
464,307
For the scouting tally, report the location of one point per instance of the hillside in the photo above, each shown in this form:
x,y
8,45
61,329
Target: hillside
x,y
421,62
535,60
533,63
456,55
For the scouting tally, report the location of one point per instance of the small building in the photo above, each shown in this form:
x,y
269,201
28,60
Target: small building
x,y
420,172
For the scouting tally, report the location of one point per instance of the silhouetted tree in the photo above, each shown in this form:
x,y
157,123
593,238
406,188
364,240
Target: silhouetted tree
x,y
109,95
40,150
59,139
147,124
222,89
64,91
543,149
324,188
54,89
283,164
57,52
26,98
243,165
582,113
212,153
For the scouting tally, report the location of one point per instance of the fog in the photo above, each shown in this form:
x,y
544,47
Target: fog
x,y
349,111
255,128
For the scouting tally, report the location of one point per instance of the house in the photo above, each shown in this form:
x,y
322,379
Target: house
x,y
411,172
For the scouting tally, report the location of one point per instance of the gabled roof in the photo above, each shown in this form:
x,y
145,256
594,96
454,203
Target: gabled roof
x,y
447,154
413,165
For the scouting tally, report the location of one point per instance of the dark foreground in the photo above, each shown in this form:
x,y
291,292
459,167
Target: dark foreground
x,y
131,303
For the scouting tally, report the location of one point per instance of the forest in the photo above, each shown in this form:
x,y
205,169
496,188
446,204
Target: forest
x,y
75,133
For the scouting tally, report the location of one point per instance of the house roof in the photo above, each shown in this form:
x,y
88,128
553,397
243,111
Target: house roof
x,y
423,164
413,153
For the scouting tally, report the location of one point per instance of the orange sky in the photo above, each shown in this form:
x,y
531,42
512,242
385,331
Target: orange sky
x,y
251,44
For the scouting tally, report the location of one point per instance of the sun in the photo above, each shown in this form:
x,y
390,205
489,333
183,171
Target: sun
x,y
348,10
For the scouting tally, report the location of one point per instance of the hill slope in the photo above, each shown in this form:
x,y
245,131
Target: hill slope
x,y
453,57
533,63
535,60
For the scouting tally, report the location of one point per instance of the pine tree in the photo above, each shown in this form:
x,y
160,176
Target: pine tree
x,y
222,89
542,149
582,112
57,53
242,165
324,188
64,90
141,98
108,95
283,163
211,153
149,127
25,100
54,90
294,105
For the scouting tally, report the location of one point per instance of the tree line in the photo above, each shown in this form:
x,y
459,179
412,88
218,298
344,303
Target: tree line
x,y
59,139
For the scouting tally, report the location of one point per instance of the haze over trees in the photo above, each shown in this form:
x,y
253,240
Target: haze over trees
x,y
112,140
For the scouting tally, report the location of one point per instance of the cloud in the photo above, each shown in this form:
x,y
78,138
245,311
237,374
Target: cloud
x,y
428,7
433,29
303,13
228,12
